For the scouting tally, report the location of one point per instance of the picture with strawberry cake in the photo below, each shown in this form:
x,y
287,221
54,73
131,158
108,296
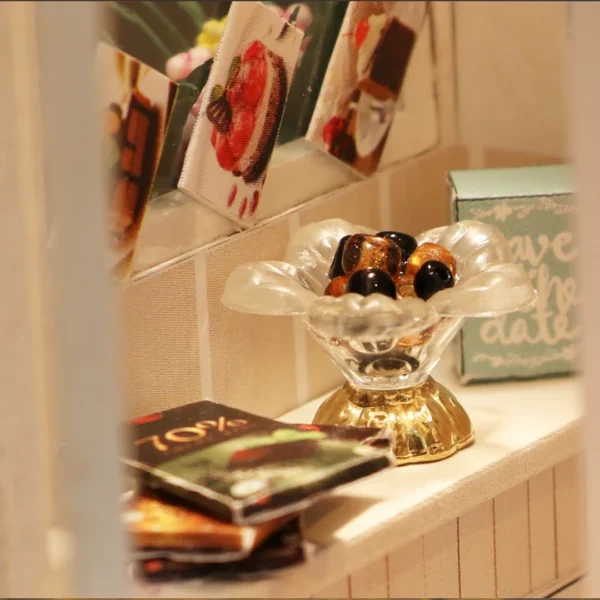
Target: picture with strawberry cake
x,y
241,111
363,82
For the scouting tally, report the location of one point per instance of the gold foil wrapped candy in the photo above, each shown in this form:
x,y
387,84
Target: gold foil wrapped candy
x,y
426,252
363,251
337,287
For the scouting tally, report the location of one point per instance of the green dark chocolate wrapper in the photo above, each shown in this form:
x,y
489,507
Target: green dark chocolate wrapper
x,y
243,468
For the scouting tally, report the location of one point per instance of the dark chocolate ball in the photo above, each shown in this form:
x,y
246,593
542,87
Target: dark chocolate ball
x,y
336,269
431,278
371,281
407,242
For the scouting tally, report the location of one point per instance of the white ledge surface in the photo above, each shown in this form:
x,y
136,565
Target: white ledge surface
x,y
522,428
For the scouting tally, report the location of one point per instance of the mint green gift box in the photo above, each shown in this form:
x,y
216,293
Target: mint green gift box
x,y
533,206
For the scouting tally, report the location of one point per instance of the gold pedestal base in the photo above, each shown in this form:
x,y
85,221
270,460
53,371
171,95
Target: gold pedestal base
x,y
428,421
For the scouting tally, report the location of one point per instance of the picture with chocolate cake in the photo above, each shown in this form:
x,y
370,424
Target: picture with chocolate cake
x,y
135,103
363,82
240,115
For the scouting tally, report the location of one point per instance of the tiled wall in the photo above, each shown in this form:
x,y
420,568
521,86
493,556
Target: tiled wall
x,y
524,543
512,95
182,344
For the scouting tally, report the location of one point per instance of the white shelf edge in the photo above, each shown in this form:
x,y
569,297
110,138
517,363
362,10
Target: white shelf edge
x,y
534,425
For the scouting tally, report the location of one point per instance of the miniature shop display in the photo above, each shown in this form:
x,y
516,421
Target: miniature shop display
x,y
385,307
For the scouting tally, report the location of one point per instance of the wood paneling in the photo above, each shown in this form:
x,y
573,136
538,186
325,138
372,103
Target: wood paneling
x,y
477,553
441,562
511,526
371,581
542,531
406,568
569,513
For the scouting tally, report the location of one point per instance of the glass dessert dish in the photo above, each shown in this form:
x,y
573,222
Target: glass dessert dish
x,y
387,348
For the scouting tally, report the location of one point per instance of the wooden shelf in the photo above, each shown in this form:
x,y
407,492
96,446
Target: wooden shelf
x,y
522,429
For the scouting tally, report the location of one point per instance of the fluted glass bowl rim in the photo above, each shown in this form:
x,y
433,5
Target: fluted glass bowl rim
x,y
489,284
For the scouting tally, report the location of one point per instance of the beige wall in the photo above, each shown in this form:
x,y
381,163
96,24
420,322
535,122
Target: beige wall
x,y
511,72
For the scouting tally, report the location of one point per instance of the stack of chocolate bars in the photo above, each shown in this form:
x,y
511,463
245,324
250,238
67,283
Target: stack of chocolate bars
x,y
220,492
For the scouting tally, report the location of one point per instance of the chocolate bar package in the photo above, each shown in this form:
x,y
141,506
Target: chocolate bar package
x,y
285,548
162,527
369,436
243,468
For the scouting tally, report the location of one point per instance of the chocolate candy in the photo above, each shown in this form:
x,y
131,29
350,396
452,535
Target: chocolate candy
x,y
336,269
363,251
404,286
406,291
371,281
426,252
432,277
337,287
407,242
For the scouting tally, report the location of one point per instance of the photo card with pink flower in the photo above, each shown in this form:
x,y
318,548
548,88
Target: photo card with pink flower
x,y
240,113
363,81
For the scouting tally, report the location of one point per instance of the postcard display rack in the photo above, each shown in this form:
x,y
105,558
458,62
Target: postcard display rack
x,y
502,519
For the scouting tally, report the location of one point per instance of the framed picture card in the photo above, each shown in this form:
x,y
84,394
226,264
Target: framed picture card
x,y
135,104
364,80
147,121
241,111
